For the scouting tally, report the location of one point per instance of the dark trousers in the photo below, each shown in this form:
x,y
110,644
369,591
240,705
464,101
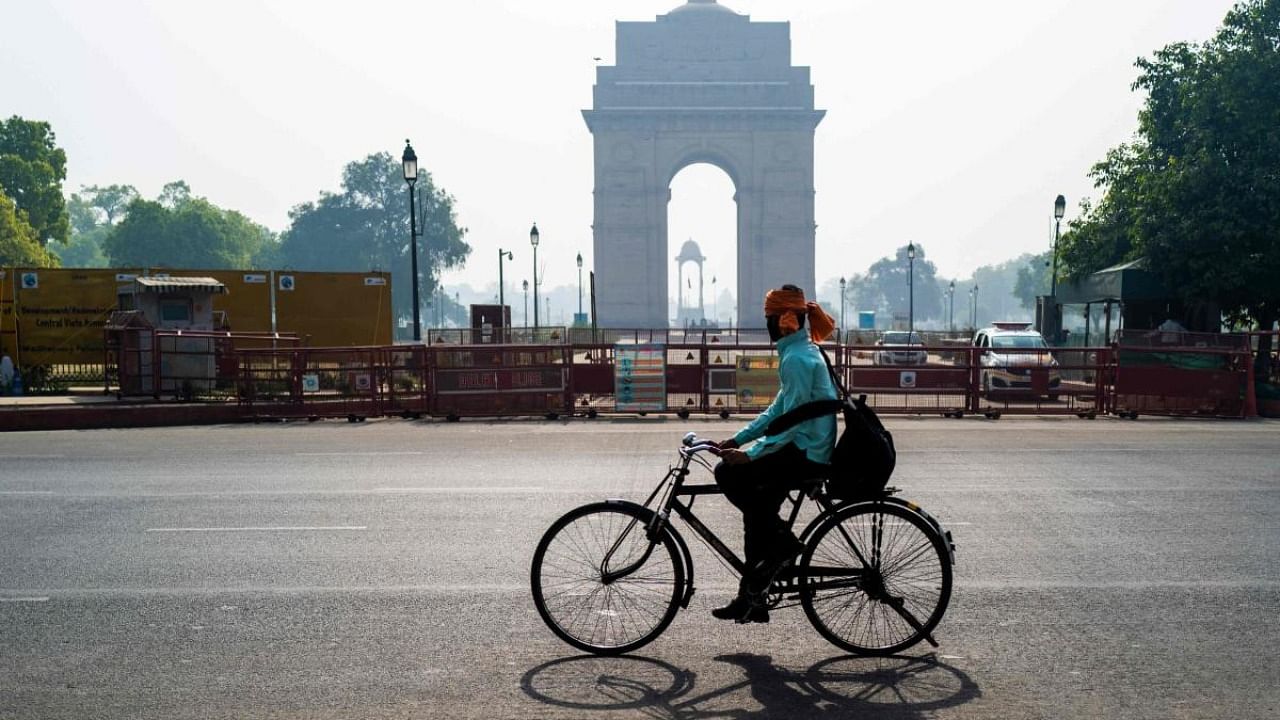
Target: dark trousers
x,y
757,488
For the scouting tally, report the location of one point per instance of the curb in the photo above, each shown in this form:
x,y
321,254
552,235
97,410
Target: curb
x,y
115,416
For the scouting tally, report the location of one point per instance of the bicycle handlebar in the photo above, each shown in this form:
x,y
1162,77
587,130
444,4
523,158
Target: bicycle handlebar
x,y
692,444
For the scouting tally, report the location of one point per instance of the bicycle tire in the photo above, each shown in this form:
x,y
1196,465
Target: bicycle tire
x,y
614,618
910,577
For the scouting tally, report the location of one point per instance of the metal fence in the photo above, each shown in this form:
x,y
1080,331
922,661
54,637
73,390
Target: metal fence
x,y
702,373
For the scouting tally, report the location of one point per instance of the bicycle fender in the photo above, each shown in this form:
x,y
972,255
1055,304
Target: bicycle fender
x,y
924,514
686,558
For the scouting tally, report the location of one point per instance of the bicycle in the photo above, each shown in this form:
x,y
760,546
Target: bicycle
x,y
874,577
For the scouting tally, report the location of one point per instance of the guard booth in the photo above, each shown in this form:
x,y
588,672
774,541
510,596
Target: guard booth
x,y
489,324
167,361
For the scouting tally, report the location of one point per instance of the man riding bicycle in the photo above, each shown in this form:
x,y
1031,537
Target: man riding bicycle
x,y
756,480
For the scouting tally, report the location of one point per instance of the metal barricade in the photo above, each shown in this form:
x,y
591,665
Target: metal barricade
x,y
913,379
500,380
1176,373
314,382
1040,381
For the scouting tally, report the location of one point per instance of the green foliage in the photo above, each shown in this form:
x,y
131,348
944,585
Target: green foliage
x,y
32,168
365,226
84,250
884,286
1198,191
95,206
181,231
1033,278
93,211
19,244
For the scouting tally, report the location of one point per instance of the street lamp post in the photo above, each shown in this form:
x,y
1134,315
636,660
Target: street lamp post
x,y
715,303
526,304
911,289
502,297
409,162
1059,209
533,240
579,284
951,293
843,327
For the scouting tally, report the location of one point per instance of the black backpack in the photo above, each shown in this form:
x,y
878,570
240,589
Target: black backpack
x,y
864,456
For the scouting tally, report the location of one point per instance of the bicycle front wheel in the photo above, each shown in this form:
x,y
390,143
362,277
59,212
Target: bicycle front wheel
x,y
599,614
876,578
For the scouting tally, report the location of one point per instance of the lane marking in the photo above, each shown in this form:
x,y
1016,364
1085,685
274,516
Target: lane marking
x,y
27,492
360,454
24,599
513,489
35,457
275,528
1150,449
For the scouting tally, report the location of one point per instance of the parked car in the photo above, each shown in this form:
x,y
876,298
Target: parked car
x,y
1011,354
899,347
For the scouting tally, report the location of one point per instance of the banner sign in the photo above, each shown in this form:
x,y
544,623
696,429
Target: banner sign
x,y
544,380
640,378
757,380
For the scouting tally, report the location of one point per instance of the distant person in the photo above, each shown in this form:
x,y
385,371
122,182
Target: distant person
x,y
756,480
7,372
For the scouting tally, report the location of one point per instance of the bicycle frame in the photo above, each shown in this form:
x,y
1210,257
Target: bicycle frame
x,y
789,580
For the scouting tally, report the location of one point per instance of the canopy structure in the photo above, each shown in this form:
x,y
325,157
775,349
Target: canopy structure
x,y
1129,282
1144,301
153,284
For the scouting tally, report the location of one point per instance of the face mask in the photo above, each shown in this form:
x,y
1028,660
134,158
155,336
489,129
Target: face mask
x,y
775,331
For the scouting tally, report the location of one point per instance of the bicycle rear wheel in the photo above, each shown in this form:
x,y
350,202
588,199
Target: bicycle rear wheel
x,y
876,578
571,595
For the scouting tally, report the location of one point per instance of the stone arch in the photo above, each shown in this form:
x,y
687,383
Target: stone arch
x,y
701,84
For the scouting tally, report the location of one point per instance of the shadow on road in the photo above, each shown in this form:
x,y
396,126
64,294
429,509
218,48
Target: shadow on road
x,y
840,687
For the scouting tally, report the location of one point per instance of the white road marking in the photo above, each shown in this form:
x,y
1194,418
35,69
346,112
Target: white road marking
x,y
35,457
1007,451
513,489
24,599
280,528
360,454
26,492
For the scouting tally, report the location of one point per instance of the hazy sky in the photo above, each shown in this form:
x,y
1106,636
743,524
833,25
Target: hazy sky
x,y
953,124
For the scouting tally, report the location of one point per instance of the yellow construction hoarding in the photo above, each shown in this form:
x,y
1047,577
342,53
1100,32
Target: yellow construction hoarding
x,y
55,316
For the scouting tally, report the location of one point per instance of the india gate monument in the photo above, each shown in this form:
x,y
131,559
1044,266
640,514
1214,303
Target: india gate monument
x,y
701,84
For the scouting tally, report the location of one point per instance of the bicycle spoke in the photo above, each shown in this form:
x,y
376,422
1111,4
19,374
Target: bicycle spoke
x,y
570,566
900,596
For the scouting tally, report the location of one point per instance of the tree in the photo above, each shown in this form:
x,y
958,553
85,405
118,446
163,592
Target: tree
x,y
19,244
93,212
1033,278
95,205
1198,191
32,168
365,226
885,286
84,250
180,231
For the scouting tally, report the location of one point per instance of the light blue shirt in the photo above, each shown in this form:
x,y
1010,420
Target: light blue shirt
x,y
804,378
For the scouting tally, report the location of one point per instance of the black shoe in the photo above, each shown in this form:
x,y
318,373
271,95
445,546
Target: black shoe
x,y
742,610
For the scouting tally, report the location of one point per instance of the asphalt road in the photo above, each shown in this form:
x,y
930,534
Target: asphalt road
x,y
1105,568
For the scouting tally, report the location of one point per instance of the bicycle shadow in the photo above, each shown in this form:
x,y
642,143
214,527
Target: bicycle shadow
x,y
846,686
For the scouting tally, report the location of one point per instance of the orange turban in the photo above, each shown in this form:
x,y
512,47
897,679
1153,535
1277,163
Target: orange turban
x,y
785,303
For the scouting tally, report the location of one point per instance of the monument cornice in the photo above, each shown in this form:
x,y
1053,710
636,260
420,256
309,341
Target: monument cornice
x,y
726,119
